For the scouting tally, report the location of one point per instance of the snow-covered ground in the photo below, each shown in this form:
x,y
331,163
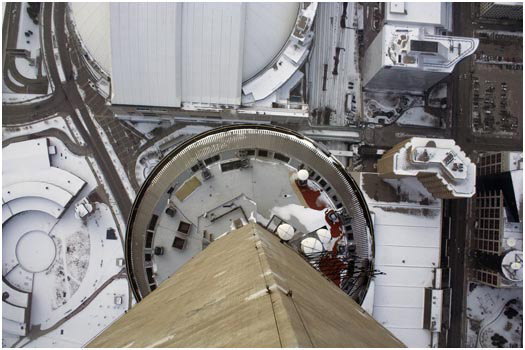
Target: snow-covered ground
x,y
54,122
33,41
99,314
10,97
30,43
146,128
13,80
494,315
28,69
406,110
85,260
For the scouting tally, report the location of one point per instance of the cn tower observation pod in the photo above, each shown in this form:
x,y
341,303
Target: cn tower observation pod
x,y
228,177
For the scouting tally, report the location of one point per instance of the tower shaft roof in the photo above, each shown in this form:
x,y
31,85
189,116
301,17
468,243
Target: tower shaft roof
x,y
247,289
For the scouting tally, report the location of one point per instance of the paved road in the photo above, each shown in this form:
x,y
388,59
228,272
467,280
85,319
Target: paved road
x,y
89,133
13,11
456,211
75,148
469,142
333,63
14,114
36,332
461,96
66,98
390,135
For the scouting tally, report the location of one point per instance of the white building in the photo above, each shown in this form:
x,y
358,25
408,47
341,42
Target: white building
x,y
410,53
409,295
195,55
440,165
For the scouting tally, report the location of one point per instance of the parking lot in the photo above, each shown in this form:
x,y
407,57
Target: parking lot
x,y
497,90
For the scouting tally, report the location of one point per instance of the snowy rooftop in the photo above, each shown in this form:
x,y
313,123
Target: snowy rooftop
x,y
407,242
440,164
59,273
412,57
418,13
413,47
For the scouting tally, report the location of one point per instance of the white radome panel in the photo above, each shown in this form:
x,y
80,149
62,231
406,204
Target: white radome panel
x,y
268,27
145,54
92,23
212,46
168,54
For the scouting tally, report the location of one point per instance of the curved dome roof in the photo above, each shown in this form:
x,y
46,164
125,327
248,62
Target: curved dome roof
x,y
92,23
267,29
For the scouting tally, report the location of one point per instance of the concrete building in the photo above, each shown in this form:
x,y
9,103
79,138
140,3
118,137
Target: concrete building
x,y
261,292
440,165
410,295
497,238
411,54
164,58
31,186
437,16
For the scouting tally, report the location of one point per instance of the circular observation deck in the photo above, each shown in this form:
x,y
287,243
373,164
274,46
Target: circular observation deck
x,y
224,178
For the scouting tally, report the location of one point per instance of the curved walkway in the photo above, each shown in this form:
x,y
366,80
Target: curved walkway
x,y
29,86
36,189
75,148
24,204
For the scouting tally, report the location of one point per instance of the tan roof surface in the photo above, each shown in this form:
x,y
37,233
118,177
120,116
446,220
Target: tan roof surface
x,y
247,290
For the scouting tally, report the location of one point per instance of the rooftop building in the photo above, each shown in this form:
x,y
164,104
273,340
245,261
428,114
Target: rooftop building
x,y
51,261
440,165
261,292
411,53
499,162
408,58
435,15
410,292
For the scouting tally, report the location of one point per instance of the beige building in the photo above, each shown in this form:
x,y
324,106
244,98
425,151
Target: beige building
x,y
439,164
247,289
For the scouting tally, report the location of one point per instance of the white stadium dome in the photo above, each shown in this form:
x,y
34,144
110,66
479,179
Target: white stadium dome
x,y
267,29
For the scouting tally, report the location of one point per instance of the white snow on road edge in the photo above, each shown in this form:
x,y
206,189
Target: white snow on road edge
x,y
114,159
